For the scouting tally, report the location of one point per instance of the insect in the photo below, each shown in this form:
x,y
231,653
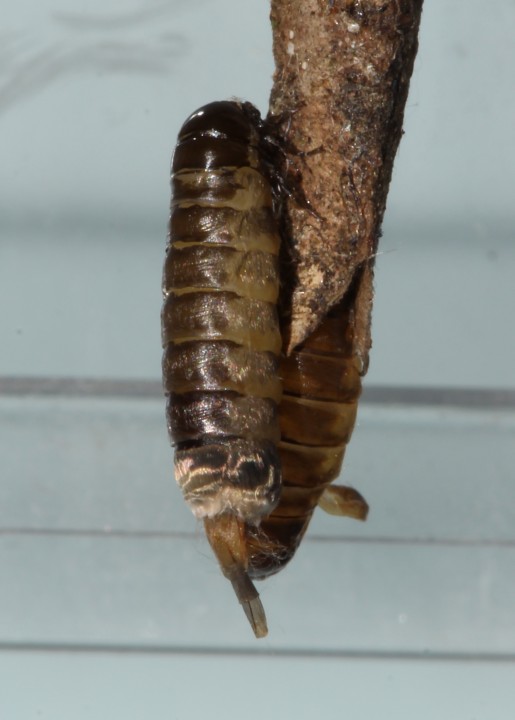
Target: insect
x,y
231,425
220,333
321,389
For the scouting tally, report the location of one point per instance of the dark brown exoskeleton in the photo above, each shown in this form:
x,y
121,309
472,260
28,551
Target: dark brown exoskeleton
x,y
221,334
321,388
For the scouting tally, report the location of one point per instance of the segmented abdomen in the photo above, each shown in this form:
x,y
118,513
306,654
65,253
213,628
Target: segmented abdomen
x,y
220,328
321,389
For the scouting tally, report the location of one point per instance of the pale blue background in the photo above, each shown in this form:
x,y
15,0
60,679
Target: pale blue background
x,y
111,605
91,98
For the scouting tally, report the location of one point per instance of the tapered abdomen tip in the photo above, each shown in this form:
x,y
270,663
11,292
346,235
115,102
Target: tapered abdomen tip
x,y
255,613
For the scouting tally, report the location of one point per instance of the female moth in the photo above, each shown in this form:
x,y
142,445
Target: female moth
x,y
221,359
220,333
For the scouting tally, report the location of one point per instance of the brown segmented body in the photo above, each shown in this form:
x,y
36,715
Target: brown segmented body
x,y
321,388
221,334
221,361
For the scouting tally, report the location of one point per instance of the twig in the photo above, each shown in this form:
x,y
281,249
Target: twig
x,y
342,75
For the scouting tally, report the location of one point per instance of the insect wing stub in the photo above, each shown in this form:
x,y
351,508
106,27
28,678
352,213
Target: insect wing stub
x,y
221,336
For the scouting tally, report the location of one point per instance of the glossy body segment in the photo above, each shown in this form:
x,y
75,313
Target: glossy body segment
x,y
220,333
321,389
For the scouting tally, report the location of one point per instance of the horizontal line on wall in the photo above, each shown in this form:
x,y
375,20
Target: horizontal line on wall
x,y
151,389
113,533
290,653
